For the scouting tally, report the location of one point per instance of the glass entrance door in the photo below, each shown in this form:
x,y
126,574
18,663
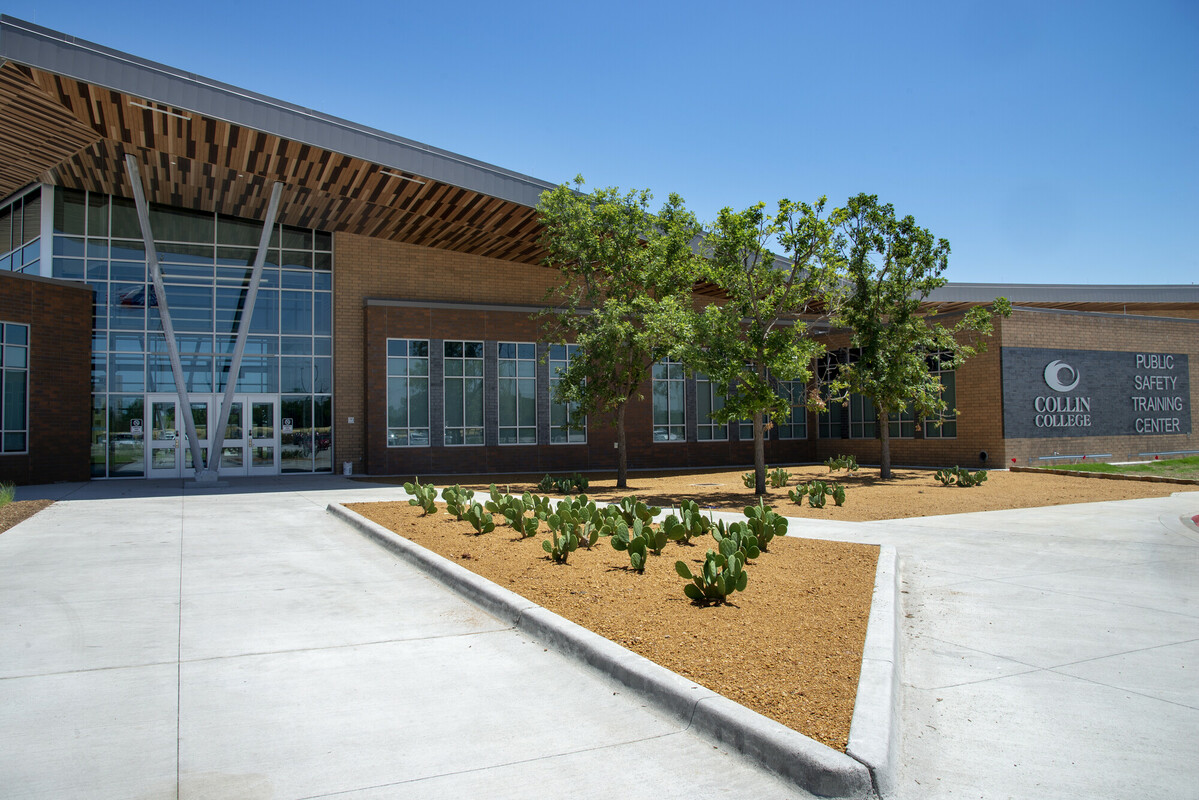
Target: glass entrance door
x,y
263,438
169,454
249,445
162,456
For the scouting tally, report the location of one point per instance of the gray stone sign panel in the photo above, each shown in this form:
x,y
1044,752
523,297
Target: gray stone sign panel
x,y
1050,393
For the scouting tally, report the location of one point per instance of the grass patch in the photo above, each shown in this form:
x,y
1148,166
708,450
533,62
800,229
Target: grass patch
x,y
7,493
1187,468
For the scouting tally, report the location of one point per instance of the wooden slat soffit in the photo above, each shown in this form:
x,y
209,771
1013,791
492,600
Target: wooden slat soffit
x,y
75,134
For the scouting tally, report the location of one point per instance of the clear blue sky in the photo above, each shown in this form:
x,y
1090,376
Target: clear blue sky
x,y
1050,142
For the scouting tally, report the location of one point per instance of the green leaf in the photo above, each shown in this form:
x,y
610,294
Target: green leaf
x,y
682,570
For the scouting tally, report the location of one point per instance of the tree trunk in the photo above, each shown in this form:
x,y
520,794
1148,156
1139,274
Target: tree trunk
x,y
759,455
622,456
884,435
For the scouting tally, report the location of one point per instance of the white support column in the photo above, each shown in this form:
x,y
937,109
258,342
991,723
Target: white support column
x,y
212,469
45,265
164,313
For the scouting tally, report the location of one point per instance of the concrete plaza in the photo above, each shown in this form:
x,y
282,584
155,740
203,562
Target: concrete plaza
x,y
164,641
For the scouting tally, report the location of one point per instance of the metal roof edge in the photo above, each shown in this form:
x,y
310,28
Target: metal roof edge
x,y
1103,314
1066,293
46,49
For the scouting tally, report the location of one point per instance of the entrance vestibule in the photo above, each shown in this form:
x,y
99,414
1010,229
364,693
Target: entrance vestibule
x,y
249,445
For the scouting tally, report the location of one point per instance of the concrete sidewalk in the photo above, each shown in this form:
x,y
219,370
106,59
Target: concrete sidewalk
x,y
240,643
161,643
1048,653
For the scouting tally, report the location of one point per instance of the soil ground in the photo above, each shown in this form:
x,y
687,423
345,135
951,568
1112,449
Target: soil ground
x,y
789,646
19,511
910,492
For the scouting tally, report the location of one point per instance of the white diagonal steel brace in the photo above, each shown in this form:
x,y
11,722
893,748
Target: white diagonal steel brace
x,y
164,313
212,468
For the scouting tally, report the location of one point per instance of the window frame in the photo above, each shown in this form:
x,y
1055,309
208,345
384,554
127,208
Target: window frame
x,y
5,369
705,390
794,393
569,410
935,428
672,373
462,377
407,375
515,381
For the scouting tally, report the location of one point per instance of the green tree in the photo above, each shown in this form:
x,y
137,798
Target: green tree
x,y
759,332
624,297
892,266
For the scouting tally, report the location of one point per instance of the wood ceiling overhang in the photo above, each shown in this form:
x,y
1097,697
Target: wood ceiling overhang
x,y
71,133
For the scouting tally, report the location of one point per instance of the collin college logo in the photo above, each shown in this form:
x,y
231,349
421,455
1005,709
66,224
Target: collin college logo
x,y
1056,411
1054,379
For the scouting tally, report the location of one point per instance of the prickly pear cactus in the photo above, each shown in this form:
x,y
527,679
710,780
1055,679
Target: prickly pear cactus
x,y
764,523
722,574
480,518
423,496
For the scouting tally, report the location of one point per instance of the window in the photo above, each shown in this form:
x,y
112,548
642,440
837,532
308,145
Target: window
x,y
567,426
407,393
857,414
463,393
20,234
863,419
517,392
944,426
903,424
796,426
670,416
14,394
708,401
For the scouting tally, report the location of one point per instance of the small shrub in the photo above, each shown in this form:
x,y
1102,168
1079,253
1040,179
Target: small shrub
x,y
838,493
722,574
546,484
422,496
845,462
779,478
7,493
750,480
764,524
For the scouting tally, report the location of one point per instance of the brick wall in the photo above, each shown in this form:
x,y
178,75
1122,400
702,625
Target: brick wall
x,y
979,420
59,316
369,269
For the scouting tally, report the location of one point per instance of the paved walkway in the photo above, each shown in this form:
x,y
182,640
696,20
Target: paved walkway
x,y
159,642
1049,653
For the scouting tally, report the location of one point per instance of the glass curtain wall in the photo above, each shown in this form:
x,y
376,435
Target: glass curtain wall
x,y
20,233
206,264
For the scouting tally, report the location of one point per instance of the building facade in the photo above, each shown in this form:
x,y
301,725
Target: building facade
x,y
379,297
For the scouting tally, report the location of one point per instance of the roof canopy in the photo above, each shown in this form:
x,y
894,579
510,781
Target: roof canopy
x,y
72,109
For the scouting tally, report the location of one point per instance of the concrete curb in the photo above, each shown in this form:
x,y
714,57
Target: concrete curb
x,y
1111,476
805,762
874,731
